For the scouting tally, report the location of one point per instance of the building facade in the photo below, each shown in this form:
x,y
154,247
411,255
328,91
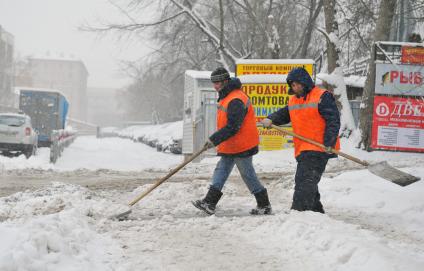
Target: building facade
x,y
66,75
6,69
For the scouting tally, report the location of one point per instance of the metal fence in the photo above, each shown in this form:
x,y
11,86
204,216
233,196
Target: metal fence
x,y
60,140
357,67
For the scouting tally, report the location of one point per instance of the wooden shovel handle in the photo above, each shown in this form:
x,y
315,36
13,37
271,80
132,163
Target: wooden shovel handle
x,y
345,155
172,172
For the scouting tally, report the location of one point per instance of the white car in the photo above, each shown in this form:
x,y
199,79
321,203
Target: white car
x,y
17,134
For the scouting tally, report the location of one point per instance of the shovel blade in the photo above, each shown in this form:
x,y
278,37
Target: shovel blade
x,y
386,171
122,216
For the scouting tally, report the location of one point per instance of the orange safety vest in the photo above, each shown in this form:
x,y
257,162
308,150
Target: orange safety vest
x,y
307,121
248,136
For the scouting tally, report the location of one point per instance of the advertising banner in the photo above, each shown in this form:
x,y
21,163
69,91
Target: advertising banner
x,y
266,99
271,139
398,124
399,79
412,55
257,68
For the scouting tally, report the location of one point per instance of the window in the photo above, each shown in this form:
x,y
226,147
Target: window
x,y
14,121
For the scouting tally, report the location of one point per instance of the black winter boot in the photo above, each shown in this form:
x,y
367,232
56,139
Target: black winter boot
x,y
318,208
263,205
318,205
208,204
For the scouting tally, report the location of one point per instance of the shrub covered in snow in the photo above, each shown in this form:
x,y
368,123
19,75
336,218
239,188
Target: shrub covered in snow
x,y
161,136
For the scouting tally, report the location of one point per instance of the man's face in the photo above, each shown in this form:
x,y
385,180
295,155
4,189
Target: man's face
x,y
218,85
297,88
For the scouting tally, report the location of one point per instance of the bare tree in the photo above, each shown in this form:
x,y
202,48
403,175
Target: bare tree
x,y
314,9
382,32
201,34
331,34
336,81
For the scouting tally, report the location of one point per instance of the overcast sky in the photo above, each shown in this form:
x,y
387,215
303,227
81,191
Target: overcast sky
x,y
41,26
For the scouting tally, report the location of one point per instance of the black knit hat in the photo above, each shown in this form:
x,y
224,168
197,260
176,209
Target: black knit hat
x,y
219,75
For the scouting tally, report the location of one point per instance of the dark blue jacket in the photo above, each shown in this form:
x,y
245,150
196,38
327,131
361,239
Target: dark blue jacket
x,y
327,107
236,112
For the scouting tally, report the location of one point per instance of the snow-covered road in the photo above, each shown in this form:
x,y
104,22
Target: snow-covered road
x,y
89,152
371,224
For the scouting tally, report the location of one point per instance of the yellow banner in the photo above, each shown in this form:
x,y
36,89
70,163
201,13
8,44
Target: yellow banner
x,y
271,139
244,69
266,99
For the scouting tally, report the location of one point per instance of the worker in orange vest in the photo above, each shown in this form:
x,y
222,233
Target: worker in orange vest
x,y
237,140
313,114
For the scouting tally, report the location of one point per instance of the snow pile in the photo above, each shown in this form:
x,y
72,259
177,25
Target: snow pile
x,y
199,74
312,241
359,193
346,117
274,61
263,78
52,229
163,133
54,199
355,81
63,241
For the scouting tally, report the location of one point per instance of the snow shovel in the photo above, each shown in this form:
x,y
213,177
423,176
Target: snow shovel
x,y
124,215
381,169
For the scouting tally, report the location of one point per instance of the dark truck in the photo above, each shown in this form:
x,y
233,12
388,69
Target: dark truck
x,y
47,109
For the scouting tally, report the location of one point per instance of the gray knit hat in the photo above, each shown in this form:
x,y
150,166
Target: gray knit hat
x,y
219,75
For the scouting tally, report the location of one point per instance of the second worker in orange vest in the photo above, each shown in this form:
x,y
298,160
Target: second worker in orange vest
x,y
237,140
313,114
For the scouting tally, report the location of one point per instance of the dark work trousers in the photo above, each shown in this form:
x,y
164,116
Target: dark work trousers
x,y
310,166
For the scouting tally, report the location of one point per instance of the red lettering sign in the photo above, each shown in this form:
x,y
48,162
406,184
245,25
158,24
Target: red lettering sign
x,y
412,55
398,124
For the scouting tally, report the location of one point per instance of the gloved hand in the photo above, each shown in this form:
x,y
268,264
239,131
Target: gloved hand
x,y
209,144
328,149
266,123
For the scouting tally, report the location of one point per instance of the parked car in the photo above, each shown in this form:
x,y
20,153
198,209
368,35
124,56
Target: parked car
x,y
17,134
161,147
176,146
